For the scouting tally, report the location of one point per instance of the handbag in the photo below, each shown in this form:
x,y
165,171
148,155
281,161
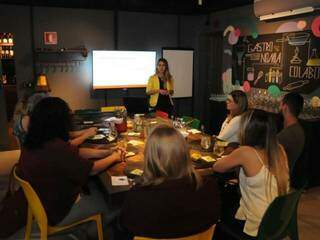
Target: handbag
x,y
13,210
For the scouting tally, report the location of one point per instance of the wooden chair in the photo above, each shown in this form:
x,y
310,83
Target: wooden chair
x,y
206,235
36,210
162,114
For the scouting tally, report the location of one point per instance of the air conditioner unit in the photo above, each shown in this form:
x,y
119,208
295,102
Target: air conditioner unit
x,y
273,9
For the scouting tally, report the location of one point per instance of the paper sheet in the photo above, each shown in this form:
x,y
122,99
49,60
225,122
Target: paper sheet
x,y
137,172
130,154
135,134
193,131
208,159
119,181
135,142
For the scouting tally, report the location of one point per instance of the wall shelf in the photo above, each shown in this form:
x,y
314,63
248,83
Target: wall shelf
x,y
61,51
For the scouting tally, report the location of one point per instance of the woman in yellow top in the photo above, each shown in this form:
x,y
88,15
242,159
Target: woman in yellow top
x,y
160,88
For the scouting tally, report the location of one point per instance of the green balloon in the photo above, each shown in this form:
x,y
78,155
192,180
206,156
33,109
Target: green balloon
x,y
254,35
274,91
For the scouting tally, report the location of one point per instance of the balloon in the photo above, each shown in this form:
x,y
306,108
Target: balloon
x,y
288,27
274,91
316,26
228,29
246,86
237,32
233,39
254,35
301,25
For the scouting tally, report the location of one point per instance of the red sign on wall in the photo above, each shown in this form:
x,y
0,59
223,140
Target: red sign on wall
x,y
50,38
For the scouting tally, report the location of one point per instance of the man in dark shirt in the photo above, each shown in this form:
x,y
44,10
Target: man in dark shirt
x,y
292,136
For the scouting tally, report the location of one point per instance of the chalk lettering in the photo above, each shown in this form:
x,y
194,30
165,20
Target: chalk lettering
x,y
270,58
260,47
304,73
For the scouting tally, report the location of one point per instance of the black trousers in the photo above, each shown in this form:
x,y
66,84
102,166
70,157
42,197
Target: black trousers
x,y
229,228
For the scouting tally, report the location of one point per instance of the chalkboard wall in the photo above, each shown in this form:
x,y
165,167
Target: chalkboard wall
x,y
289,60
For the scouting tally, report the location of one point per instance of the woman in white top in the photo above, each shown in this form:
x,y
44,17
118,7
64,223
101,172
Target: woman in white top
x,y
263,164
237,103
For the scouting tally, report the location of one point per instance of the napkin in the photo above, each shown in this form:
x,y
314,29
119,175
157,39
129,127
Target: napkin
x,y
135,142
137,172
193,131
119,181
130,154
208,159
136,134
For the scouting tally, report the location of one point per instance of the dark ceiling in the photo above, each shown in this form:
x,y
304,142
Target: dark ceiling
x,y
155,6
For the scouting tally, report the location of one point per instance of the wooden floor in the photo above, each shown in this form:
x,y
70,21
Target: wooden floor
x,y
309,215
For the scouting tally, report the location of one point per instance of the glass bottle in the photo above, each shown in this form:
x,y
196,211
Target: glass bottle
x,y
4,38
10,38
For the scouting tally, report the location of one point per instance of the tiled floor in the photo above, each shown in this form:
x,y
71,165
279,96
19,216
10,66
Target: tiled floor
x,y
309,215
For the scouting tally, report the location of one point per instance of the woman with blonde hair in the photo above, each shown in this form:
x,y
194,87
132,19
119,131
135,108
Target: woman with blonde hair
x,y
264,173
237,104
160,88
171,200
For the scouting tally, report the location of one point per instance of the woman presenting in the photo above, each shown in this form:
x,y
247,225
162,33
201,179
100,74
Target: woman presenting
x,y
160,88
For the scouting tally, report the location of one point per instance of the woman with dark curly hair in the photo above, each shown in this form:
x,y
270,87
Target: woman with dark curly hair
x,y
54,167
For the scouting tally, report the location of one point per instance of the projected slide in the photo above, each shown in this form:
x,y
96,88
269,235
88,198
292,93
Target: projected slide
x,y
122,69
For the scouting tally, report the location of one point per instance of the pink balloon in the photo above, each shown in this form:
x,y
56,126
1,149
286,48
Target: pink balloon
x,y
233,39
287,27
223,76
301,25
237,32
246,86
316,26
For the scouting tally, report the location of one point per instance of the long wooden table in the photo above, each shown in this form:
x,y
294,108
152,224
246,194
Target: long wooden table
x,y
136,161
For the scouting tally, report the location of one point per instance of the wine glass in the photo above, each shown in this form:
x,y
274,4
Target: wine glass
x,y
218,149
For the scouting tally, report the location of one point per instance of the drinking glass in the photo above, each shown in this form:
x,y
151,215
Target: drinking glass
x,y
218,149
206,142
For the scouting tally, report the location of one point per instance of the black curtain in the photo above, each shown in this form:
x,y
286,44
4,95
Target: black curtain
x,y
210,72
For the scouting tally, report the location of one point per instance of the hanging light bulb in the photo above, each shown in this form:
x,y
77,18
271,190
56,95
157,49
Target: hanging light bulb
x,y
199,2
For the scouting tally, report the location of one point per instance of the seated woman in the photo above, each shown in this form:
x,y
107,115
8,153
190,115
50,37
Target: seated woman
x,y
264,172
54,167
171,199
23,111
237,104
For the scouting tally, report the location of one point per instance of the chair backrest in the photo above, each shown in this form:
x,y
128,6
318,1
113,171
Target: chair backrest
x,y
7,160
33,201
206,235
191,122
162,114
280,219
196,123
